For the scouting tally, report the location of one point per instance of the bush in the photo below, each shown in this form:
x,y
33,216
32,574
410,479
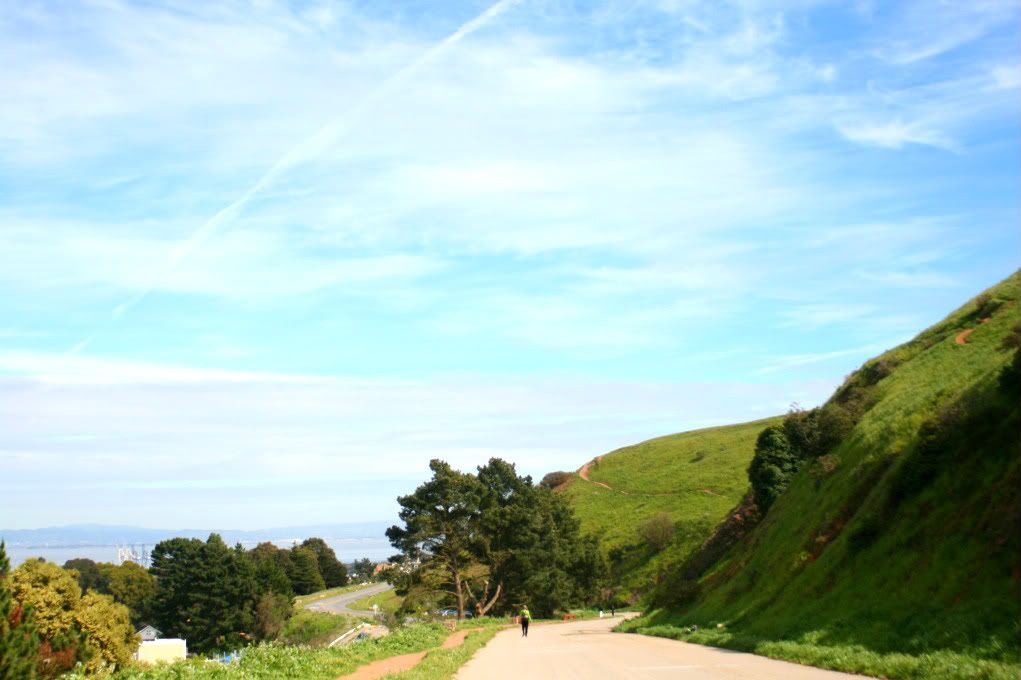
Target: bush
x,y
554,479
772,467
657,531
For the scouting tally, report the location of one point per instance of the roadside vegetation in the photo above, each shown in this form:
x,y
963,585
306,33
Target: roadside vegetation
x,y
268,661
441,664
388,602
881,534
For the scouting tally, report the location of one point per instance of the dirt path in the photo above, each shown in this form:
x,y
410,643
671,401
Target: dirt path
x,y
583,473
962,337
404,662
584,650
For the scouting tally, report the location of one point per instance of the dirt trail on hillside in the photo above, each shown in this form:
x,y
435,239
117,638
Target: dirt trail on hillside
x,y
962,337
404,662
583,473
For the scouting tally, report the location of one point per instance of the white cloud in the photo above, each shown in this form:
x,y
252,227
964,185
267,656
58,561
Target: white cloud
x,y
895,134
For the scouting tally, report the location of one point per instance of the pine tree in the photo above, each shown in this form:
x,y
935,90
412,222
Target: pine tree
x,y
333,570
305,574
18,640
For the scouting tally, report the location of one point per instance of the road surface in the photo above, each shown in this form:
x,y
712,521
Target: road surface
x,y
338,603
585,650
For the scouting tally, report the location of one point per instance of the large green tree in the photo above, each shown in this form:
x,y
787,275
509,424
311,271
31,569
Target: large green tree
x,y
130,584
304,571
90,575
499,539
271,567
333,570
441,524
205,592
19,642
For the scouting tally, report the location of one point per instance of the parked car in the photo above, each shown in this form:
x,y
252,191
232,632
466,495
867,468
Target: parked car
x,y
453,612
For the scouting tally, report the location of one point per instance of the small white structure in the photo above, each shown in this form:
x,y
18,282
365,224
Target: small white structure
x,y
148,633
168,650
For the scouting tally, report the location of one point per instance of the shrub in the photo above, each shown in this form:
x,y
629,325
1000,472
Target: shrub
x,y
657,531
772,467
554,479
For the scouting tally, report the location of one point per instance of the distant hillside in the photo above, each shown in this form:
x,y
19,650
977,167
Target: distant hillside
x,y
695,478
898,551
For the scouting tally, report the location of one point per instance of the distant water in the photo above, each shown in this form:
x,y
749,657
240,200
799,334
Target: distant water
x,y
347,549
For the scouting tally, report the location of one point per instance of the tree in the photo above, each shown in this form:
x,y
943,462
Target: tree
x,y
304,574
205,592
109,635
19,641
52,594
363,569
131,585
657,531
271,613
271,567
90,576
774,464
333,570
495,540
441,521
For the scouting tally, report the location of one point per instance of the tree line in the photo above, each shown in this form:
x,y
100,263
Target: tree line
x,y
490,542
214,596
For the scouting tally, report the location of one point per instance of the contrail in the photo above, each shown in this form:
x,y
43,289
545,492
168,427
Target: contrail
x,y
306,150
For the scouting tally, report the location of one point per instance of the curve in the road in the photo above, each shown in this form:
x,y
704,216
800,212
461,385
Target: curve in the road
x,y
338,603
587,649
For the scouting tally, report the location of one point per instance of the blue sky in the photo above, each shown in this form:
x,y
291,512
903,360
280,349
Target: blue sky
x,y
260,262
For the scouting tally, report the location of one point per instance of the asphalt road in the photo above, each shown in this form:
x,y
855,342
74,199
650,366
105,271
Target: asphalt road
x,y
587,649
338,603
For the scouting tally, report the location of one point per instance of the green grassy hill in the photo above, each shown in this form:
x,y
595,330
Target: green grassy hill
x,y
898,553
695,478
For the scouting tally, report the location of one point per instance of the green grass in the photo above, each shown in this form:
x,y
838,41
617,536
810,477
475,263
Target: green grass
x,y
303,600
270,662
387,601
934,591
694,477
312,628
440,664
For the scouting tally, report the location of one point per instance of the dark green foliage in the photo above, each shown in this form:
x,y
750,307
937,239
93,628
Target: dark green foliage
x,y
206,592
363,568
131,585
18,639
304,571
773,466
271,566
333,570
554,479
89,575
496,540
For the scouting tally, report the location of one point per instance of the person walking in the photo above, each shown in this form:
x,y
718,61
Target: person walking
x,y
525,616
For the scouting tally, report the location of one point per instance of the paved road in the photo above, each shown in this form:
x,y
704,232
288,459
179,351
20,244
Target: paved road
x,y
338,603
585,650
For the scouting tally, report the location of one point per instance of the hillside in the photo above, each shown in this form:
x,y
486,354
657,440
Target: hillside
x,y
897,553
694,477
